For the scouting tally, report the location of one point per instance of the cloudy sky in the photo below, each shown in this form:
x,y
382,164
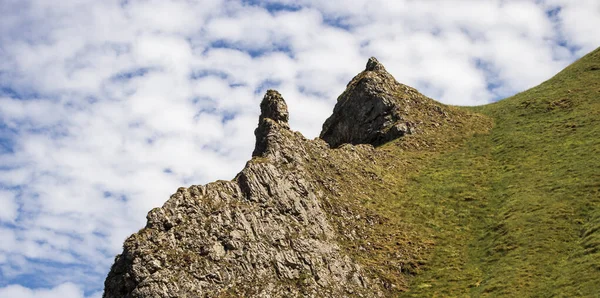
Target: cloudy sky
x,y
107,107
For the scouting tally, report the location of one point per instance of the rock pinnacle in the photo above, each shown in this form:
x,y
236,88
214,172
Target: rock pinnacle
x,y
274,116
273,107
374,65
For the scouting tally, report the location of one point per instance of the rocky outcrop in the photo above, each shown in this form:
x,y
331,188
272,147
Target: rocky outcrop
x,y
277,229
273,117
375,109
264,234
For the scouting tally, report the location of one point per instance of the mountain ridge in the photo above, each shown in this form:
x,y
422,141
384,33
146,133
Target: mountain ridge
x,y
326,218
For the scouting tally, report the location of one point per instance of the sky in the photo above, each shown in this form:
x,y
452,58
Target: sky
x,y
107,107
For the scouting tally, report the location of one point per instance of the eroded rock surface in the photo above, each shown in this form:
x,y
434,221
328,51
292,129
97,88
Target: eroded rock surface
x,y
273,118
375,109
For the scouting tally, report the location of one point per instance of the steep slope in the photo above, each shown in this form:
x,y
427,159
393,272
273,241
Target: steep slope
x,y
497,200
517,211
290,223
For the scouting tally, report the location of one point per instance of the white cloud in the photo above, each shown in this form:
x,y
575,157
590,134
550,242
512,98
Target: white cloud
x,y
579,23
66,290
106,107
8,206
9,241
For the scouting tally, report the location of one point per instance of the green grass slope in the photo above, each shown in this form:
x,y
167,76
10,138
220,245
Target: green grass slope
x,y
515,211
501,200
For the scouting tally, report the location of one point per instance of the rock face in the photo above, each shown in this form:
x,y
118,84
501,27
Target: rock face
x,y
267,233
273,116
376,109
264,234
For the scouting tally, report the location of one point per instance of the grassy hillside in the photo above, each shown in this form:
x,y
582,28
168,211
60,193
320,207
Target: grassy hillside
x,y
518,208
507,205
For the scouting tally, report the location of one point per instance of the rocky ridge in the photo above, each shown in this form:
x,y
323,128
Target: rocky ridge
x,y
276,229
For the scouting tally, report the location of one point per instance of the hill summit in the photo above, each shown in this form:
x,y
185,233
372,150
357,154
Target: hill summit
x,y
375,109
400,195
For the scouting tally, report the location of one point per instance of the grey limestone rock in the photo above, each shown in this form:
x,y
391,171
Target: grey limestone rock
x,y
375,109
273,117
264,234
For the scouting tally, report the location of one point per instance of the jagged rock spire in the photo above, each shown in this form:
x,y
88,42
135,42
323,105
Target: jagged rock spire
x,y
368,112
273,107
375,109
274,116
374,65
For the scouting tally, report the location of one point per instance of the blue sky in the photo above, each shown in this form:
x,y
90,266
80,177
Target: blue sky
x,y
107,107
